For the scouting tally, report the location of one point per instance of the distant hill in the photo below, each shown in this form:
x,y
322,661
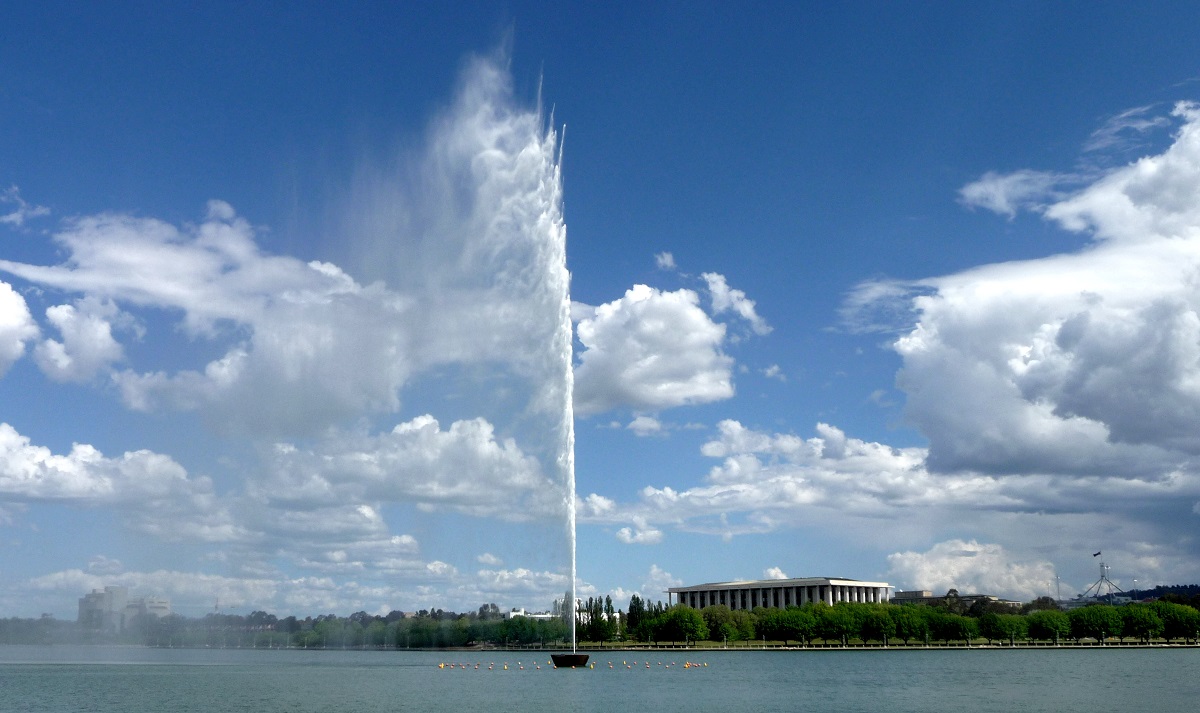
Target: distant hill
x,y
1187,591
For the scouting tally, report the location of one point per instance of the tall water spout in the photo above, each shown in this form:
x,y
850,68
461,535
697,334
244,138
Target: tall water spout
x,y
488,273
561,277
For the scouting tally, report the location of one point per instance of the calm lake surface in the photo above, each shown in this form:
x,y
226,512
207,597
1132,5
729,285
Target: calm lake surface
x,y
135,680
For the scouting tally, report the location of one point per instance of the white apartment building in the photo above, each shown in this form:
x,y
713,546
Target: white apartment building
x,y
111,609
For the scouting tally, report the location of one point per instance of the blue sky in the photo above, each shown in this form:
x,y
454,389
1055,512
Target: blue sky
x,y
900,293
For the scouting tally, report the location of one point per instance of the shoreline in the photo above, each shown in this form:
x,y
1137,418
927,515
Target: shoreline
x,y
662,648
850,647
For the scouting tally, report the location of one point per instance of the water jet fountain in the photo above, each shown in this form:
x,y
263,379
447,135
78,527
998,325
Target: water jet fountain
x,y
561,277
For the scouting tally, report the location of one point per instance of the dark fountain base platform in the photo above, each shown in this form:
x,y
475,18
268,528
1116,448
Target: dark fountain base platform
x,y
569,660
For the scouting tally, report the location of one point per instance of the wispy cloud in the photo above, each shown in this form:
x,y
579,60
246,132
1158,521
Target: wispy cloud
x,y
727,299
1126,131
1008,193
774,372
21,210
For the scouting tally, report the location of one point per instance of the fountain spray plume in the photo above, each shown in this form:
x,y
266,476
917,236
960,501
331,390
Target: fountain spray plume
x,y
561,278
564,339
474,232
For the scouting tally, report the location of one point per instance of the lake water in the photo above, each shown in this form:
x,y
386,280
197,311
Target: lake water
x,y
135,680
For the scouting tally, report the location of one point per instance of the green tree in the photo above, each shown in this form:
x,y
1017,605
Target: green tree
x,y
911,622
1048,625
422,632
798,624
1139,621
681,623
836,623
946,626
376,633
952,603
1040,604
352,633
877,624
612,619
720,622
1002,627
987,606
1179,620
743,624
1098,622
594,623
635,616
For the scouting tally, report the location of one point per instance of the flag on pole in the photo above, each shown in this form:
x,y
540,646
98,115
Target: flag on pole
x,y
1096,555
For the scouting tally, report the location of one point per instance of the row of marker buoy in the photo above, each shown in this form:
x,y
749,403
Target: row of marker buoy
x,y
521,666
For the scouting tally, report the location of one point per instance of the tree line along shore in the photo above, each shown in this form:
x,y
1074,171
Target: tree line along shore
x,y
855,624
646,624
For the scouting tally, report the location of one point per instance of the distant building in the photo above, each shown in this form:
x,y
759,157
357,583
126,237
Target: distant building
x,y
158,606
1113,599
541,616
103,610
914,595
779,593
924,596
112,610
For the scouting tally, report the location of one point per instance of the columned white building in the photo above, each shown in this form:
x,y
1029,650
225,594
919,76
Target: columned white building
x,y
779,593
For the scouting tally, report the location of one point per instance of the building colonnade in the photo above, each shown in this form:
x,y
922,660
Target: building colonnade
x,y
778,593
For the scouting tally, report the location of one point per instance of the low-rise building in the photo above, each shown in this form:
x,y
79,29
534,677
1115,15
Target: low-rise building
x,y
540,616
924,596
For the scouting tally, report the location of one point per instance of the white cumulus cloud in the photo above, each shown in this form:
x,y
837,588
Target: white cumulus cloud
x,y
154,492
16,326
1084,363
87,344
305,322
302,345
971,568
645,426
641,536
464,468
651,350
